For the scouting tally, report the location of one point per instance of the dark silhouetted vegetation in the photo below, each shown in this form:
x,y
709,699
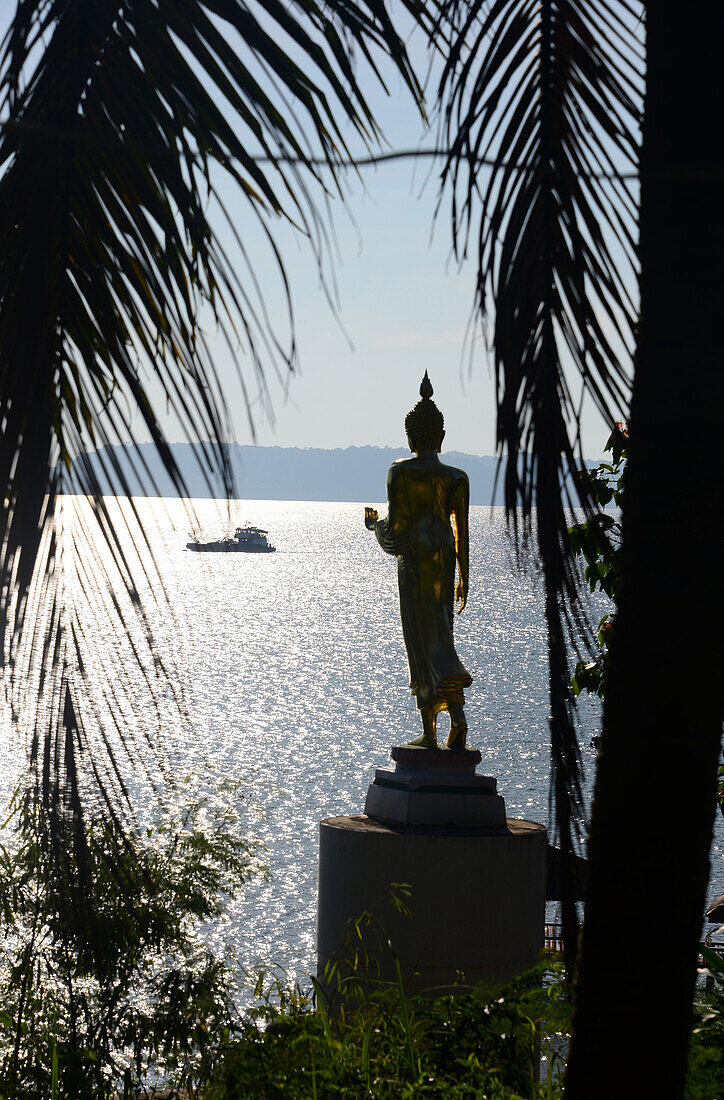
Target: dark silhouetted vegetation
x,y
118,123
133,993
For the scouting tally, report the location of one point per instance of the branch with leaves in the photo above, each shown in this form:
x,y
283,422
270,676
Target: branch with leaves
x,y
552,92
598,541
125,128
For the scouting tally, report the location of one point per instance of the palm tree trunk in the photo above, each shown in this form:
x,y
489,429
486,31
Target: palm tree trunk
x,y
654,797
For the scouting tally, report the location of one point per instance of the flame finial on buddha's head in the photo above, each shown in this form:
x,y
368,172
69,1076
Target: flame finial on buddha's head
x,y
425,424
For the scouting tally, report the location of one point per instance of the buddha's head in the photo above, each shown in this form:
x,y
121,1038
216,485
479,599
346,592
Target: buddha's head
x,y
424,423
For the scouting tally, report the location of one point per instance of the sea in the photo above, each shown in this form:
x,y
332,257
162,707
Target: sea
x,y
291,670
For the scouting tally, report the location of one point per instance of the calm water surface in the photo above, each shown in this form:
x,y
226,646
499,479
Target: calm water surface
x,y
296,682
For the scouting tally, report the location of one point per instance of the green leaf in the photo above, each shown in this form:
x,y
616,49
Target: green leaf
x,y
713,959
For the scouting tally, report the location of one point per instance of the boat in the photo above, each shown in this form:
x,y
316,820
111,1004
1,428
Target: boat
x,y
246,540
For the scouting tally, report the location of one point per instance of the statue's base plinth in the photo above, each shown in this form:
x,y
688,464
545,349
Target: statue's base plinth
x,y
435,787
476,903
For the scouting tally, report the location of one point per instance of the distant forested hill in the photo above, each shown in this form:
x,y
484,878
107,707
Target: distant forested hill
x,y
287,473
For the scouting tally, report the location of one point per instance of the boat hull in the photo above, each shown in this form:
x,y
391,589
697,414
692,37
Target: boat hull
x,y
215,548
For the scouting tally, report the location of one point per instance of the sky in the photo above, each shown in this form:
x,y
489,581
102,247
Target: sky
x,y
402,305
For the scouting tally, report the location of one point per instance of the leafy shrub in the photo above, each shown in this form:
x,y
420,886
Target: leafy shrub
x,y
706,1051
382,1045
123,993
483,1044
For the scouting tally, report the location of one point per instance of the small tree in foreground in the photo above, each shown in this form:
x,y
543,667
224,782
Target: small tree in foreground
x,y
143,999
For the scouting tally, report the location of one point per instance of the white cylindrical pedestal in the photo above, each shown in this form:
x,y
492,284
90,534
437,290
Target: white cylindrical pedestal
x,y
477,899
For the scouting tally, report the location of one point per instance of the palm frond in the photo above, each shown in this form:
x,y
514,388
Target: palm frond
x,y
551,92
125,125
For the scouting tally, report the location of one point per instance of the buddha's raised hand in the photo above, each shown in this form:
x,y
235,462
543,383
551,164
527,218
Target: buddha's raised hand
x,y
371,517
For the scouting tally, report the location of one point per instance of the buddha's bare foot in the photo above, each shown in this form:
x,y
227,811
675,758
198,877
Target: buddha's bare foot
x,y
458,727
428,737
424,741
456,737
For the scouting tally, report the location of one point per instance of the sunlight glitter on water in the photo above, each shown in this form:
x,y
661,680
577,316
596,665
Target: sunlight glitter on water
x,y
295,677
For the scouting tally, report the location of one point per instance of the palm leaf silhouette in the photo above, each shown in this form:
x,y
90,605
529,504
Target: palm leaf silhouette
x,y
122,125
551,93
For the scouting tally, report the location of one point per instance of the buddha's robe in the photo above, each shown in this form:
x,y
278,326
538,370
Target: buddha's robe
x,y
427,528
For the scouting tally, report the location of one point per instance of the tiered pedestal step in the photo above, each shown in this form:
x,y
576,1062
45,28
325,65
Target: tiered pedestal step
x,y
435,787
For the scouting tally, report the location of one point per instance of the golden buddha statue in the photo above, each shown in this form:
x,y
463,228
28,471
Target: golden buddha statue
x,y
427,528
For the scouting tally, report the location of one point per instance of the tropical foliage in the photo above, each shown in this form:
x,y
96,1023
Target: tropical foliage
x,y
119,124
142,1000
388,1045
482,1044
598,541
126,131
670,602
123,128
550,94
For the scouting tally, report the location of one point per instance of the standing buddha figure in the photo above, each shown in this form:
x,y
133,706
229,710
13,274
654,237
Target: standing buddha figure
x,y
427,529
